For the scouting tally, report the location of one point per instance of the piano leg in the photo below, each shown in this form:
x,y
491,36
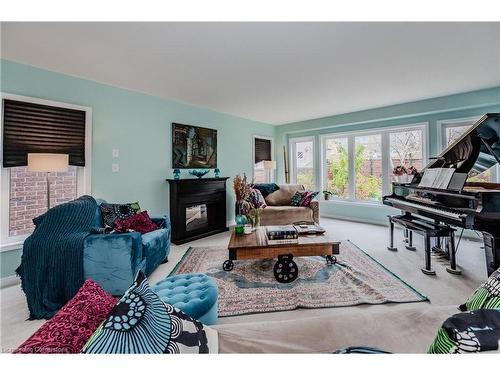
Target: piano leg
x,y
409,245
492,251
391,236
438,246
452,252
428,270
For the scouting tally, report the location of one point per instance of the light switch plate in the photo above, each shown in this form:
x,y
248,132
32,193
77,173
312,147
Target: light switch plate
x,y
115,167
116,153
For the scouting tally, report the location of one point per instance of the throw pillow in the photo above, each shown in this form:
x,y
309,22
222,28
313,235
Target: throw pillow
x,y
283,196
255,199
266,189
140,222
303,198
470,332
297,198
71,327
306,201
112,212
487,296
142,323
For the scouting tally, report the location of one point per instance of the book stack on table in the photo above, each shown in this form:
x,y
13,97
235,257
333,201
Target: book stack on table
x,y
281,234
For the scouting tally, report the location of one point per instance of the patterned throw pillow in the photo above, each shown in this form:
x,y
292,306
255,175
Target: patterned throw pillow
x,y
256,199
470,332
140,222
71,327
487,296
303,198
297,198
306,201
112,212
141,323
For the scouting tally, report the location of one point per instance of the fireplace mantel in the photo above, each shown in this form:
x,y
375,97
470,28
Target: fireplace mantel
x,y
197,208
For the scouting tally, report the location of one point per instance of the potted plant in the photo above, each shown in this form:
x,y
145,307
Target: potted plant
x,y
327,194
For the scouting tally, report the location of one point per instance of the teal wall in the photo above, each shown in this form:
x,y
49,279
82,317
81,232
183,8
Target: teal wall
x,y
139,125
463,105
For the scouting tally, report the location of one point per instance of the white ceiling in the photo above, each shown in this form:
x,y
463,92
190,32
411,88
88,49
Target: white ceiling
x,y
271,72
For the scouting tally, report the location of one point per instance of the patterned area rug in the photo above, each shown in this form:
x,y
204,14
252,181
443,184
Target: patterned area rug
x,y
251,287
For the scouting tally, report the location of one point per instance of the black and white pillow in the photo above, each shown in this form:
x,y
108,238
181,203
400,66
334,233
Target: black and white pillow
x,y
141,323
111,212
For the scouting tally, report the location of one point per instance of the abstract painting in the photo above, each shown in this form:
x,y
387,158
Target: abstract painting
x,y
193,147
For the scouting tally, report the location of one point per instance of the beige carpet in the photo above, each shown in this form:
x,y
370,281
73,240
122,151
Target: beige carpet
x,y
442,290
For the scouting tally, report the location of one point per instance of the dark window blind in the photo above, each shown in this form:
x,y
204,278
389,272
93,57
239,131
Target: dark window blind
x,y
37,128
262,150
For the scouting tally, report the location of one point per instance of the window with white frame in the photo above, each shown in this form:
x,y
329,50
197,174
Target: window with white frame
x,y
451,130
358,165
302,162
24,193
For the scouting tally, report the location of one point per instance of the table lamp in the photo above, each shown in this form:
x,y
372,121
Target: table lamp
x,y
269,165
48,163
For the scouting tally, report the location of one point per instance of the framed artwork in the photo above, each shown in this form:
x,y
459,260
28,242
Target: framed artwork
x,y
193,147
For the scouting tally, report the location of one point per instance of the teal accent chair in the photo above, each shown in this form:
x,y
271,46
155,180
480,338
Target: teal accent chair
x,y
113,260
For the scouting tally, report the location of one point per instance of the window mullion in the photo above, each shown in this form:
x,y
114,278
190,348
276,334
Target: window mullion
x,y
386,154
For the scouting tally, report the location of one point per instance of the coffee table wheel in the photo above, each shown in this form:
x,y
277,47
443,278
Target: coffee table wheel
x,y
285,269
331,259
228,265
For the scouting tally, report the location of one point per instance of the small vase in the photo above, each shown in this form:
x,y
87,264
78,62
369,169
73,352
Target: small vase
x,y
177,174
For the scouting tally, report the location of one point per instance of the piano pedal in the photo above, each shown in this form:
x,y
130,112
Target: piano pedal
x,y
411,248
455,271
392,248
440,256
428,272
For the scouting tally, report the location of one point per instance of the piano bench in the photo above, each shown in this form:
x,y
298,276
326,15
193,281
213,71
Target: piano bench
x,y
429,230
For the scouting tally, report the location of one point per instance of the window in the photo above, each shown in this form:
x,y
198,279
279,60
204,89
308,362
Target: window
x,y
337,166
303,162
262,151
28,196
451,130
406,148
368,167
358,165
24,193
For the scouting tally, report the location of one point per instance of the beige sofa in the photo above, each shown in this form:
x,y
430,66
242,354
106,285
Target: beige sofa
x,y
279,211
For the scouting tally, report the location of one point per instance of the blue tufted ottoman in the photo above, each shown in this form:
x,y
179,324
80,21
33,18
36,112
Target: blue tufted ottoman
x,y
195,294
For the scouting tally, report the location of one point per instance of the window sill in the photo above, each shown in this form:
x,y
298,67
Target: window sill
x,y
352,202
9,246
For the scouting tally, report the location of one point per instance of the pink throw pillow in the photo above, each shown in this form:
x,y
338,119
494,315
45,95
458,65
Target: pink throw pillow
x,y
140,222
69,330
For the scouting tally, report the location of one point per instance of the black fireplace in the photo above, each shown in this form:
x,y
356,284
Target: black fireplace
x,y
197,208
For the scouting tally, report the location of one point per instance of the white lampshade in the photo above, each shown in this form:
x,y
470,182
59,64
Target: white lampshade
x,y
48,162
269,165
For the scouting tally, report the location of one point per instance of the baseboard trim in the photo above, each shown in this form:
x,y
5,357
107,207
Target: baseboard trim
x,y
9,281
355,220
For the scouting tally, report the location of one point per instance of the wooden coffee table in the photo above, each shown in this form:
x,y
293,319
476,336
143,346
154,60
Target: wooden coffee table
x,y
254,246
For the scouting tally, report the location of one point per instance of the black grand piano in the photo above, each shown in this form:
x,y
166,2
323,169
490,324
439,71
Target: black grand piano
x,y
473,205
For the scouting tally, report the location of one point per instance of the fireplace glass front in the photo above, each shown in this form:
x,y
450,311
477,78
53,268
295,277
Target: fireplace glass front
x,y
196,217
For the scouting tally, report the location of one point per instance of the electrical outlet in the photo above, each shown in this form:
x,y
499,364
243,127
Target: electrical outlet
x,y
116,153
115,167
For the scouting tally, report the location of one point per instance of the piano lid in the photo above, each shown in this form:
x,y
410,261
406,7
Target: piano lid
x,y
477,150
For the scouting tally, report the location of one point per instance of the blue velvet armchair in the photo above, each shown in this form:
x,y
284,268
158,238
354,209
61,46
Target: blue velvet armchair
x,y
113,260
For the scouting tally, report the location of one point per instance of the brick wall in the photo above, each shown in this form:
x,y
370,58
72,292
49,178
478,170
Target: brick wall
x,y
28,196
